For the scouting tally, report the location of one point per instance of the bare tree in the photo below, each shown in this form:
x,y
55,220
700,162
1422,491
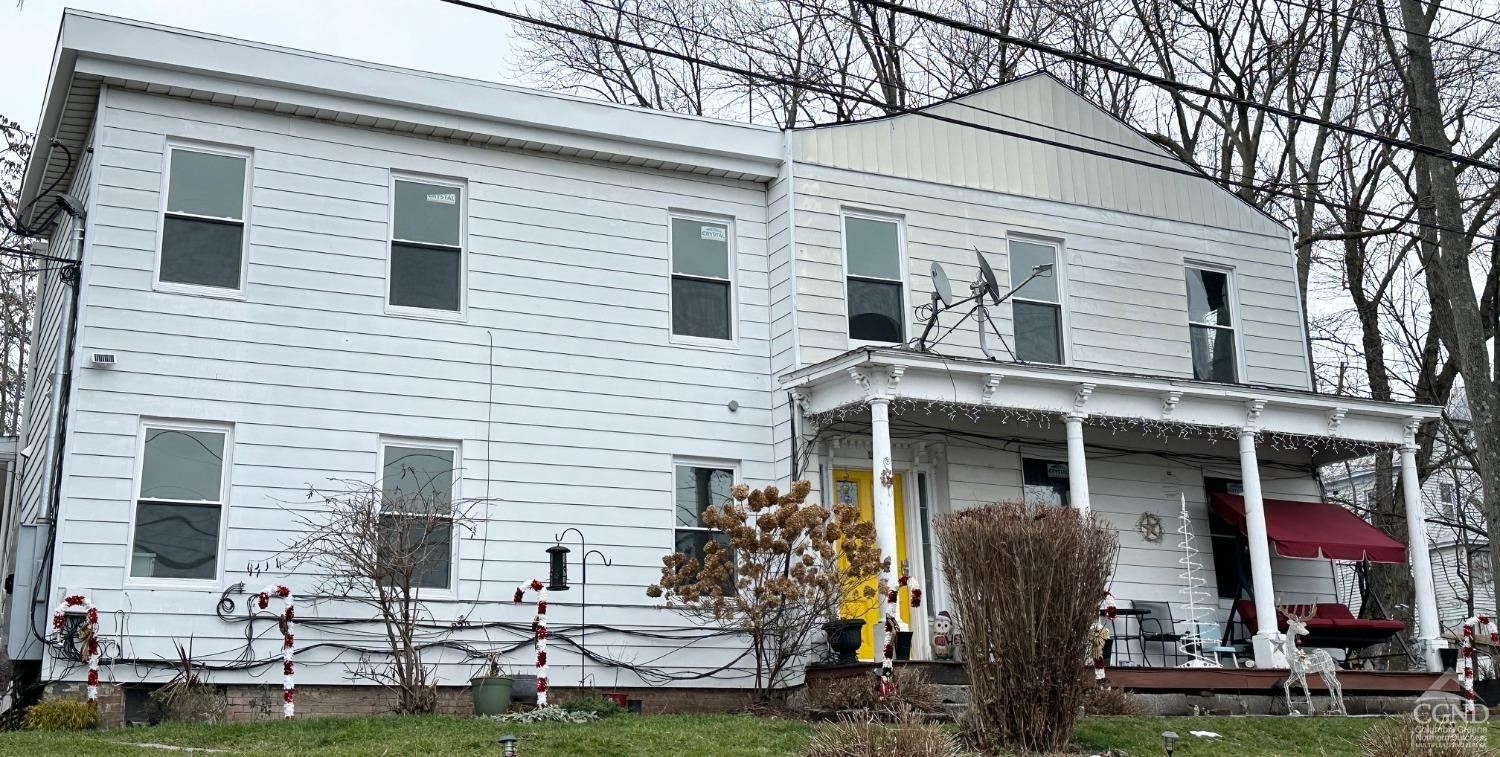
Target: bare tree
x,y
379,546
17,277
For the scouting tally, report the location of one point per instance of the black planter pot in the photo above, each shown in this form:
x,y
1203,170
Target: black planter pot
x,y
844,640
903,645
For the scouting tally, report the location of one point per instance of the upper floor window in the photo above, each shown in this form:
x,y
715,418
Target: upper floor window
x,y
179,503
1211,325
702,278
203,220
417,482
1036,307
872,253
427,246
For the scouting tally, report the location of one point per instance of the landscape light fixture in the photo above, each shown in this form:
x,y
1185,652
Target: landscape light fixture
x,y
508,745
1169,738
557,579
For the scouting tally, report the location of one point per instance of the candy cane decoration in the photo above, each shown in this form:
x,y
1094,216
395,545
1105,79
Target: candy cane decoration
x,y
88,636
539,631
888,596
1483,624
288,681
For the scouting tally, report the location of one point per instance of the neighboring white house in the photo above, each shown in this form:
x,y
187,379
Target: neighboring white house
x,y
296,267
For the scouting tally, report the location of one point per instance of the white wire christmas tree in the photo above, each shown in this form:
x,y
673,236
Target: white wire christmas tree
x,y
1191,643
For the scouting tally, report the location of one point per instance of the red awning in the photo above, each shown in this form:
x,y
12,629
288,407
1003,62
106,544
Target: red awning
x,y
1314,530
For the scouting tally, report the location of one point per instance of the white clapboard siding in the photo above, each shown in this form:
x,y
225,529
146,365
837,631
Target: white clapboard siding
x,y
1124,232
48,325
562,383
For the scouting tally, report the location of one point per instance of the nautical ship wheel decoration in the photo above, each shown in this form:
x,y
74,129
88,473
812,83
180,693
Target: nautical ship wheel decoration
x,y
1149,524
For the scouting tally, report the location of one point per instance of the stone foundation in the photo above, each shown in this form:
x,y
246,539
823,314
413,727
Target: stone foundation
x,y
263,702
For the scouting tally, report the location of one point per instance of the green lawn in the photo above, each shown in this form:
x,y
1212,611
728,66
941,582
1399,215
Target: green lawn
x,y
659,736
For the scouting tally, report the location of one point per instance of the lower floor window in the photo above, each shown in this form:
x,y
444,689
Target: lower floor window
x,y
697,488
1046,482
179,503
417,492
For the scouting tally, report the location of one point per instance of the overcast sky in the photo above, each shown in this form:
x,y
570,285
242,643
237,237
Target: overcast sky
x,y
422,34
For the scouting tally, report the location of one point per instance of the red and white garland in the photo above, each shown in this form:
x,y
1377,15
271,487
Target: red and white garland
x,y
1483,624
288,682
539,631
888,597
88,636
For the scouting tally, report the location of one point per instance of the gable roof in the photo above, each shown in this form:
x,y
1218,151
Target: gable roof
x,y
1037,106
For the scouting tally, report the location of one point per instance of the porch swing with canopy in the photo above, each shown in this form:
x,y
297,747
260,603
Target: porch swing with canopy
x,y
1316,531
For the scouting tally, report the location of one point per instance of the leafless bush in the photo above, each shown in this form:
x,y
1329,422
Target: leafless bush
x,y
377,545
859,693
776,570
1407,737
906,734
1026,581
1108,700
188,697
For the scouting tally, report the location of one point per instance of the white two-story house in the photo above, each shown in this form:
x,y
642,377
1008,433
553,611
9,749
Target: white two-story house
x,y
288,268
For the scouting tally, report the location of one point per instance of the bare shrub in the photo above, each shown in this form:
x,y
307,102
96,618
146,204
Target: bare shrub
x,y
188,697
1108,700
375,545
775,570
1407,737
1026,581
860,693
907,734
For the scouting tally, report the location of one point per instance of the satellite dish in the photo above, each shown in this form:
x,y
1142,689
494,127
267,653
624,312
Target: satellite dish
x,y
941,288
990,284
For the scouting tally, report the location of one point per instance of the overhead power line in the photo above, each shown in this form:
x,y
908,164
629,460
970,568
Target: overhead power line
x,y
1169,83
900,110
1389,27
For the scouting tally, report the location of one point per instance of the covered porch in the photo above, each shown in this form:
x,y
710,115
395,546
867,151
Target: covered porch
x,y
912,435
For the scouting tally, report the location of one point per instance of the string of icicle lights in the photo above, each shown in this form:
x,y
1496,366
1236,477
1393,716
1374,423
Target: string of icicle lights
x,y
1162,429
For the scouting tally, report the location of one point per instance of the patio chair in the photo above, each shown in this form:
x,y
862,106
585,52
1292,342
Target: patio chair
x,y
1210,643
1158,627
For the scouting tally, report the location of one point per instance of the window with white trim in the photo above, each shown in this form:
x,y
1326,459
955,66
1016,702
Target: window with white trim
x,y
1036,307
179,504
874,283
1211,325
702,278
417,484
203,220
695,489
427,245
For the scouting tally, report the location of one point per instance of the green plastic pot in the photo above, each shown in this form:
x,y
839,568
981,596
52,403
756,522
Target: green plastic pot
x,y
491,694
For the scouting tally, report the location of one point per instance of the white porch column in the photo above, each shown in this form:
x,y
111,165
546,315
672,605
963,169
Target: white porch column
x,y
1078,473
1429,629
1270,650
883,498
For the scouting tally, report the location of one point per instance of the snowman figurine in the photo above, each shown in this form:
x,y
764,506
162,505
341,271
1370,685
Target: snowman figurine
x,y
943,641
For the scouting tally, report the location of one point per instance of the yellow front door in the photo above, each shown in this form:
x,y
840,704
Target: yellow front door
x,y
856,487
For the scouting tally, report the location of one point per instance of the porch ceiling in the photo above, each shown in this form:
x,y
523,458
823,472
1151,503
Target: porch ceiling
x,y
1331,427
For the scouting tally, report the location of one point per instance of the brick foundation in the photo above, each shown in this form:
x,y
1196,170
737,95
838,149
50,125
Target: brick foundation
x,y
263,702
111,699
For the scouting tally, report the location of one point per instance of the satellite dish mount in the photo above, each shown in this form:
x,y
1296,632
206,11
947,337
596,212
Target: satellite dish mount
x,y
984,293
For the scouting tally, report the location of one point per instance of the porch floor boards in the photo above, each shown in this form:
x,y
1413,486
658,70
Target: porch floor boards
x,y
1163,680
